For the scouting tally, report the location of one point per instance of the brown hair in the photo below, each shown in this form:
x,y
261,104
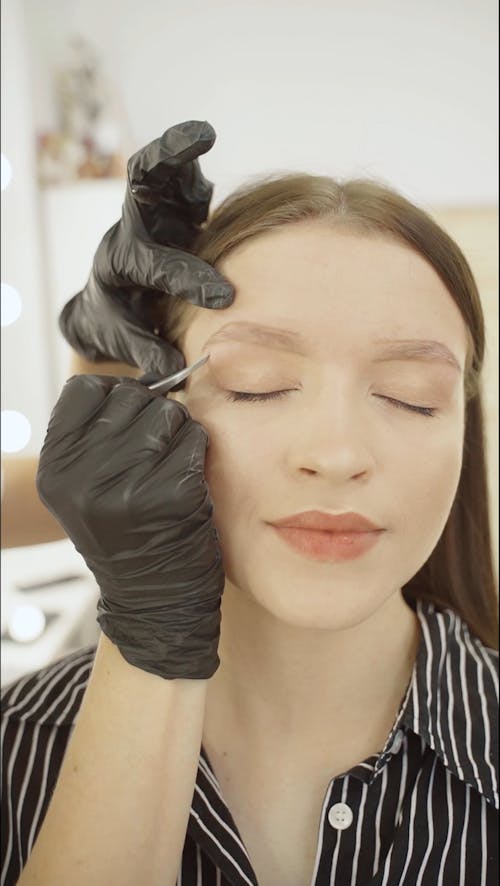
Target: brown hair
x,y
459,573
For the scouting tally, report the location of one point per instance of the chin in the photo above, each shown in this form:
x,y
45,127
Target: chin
x,y
316,608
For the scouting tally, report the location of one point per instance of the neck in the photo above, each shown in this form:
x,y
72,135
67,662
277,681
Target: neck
x,y
278,681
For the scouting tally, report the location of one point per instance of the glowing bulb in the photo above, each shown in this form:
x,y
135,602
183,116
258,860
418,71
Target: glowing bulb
x,y
6,172
16,430
26,623
11,305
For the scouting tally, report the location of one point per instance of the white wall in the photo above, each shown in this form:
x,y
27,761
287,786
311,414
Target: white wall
x,y
401,90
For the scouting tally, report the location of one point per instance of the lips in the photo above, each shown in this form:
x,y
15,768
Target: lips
x,y
317,535
320,521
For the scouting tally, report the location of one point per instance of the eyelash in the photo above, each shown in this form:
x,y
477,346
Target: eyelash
x,y
242,396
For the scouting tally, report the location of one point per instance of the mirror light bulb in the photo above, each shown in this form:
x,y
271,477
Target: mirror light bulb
x,y
26,623
6,172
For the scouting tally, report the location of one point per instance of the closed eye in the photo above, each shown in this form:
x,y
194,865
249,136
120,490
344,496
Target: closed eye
x,y
422,410
245,396
249,397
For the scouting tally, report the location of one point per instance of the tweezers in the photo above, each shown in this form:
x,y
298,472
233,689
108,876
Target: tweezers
x,y
166,384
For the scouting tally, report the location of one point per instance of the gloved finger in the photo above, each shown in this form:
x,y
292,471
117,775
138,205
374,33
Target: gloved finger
x,y
180,208
173,222
153,166
174,198
175,219
156,357
194,190
185,193
131,413
178,273
161,268
79,402
128,411
126,334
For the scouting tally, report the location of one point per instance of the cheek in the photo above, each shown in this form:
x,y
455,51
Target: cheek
x,y
428,484
239,469
232,467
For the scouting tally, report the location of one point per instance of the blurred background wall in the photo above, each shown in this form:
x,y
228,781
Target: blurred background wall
x,y
404,92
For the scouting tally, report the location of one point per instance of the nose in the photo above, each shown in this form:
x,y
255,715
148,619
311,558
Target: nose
x,y
332,437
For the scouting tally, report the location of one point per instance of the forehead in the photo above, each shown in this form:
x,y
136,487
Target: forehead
x,y
337,288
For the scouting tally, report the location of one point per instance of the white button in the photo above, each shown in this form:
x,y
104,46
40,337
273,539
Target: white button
x,y
340,816
397,742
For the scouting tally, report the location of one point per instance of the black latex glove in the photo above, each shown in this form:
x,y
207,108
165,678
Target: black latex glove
x,y
142,256
122,470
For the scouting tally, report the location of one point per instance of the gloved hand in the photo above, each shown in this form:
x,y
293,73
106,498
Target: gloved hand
x,y
142,256
122,470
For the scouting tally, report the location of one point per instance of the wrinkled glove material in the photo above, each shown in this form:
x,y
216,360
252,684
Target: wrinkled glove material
x,y
122,470
145,256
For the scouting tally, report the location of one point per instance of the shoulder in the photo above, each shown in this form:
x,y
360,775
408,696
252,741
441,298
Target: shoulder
x,y
477,664
38,713
51,696
454,702
451,646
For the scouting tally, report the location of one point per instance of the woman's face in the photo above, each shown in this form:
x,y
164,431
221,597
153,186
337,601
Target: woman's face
x,y
312,307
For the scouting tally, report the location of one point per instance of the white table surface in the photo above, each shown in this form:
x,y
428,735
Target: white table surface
x,y
70,596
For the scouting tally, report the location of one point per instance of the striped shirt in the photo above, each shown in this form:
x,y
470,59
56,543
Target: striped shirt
x,y
422,812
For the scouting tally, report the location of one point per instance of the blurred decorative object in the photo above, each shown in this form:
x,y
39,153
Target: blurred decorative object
x,y
89,142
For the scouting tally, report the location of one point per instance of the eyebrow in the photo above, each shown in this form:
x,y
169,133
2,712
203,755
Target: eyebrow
x,y
286,340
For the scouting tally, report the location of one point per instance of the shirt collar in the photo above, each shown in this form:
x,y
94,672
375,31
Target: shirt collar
x,y
452,702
